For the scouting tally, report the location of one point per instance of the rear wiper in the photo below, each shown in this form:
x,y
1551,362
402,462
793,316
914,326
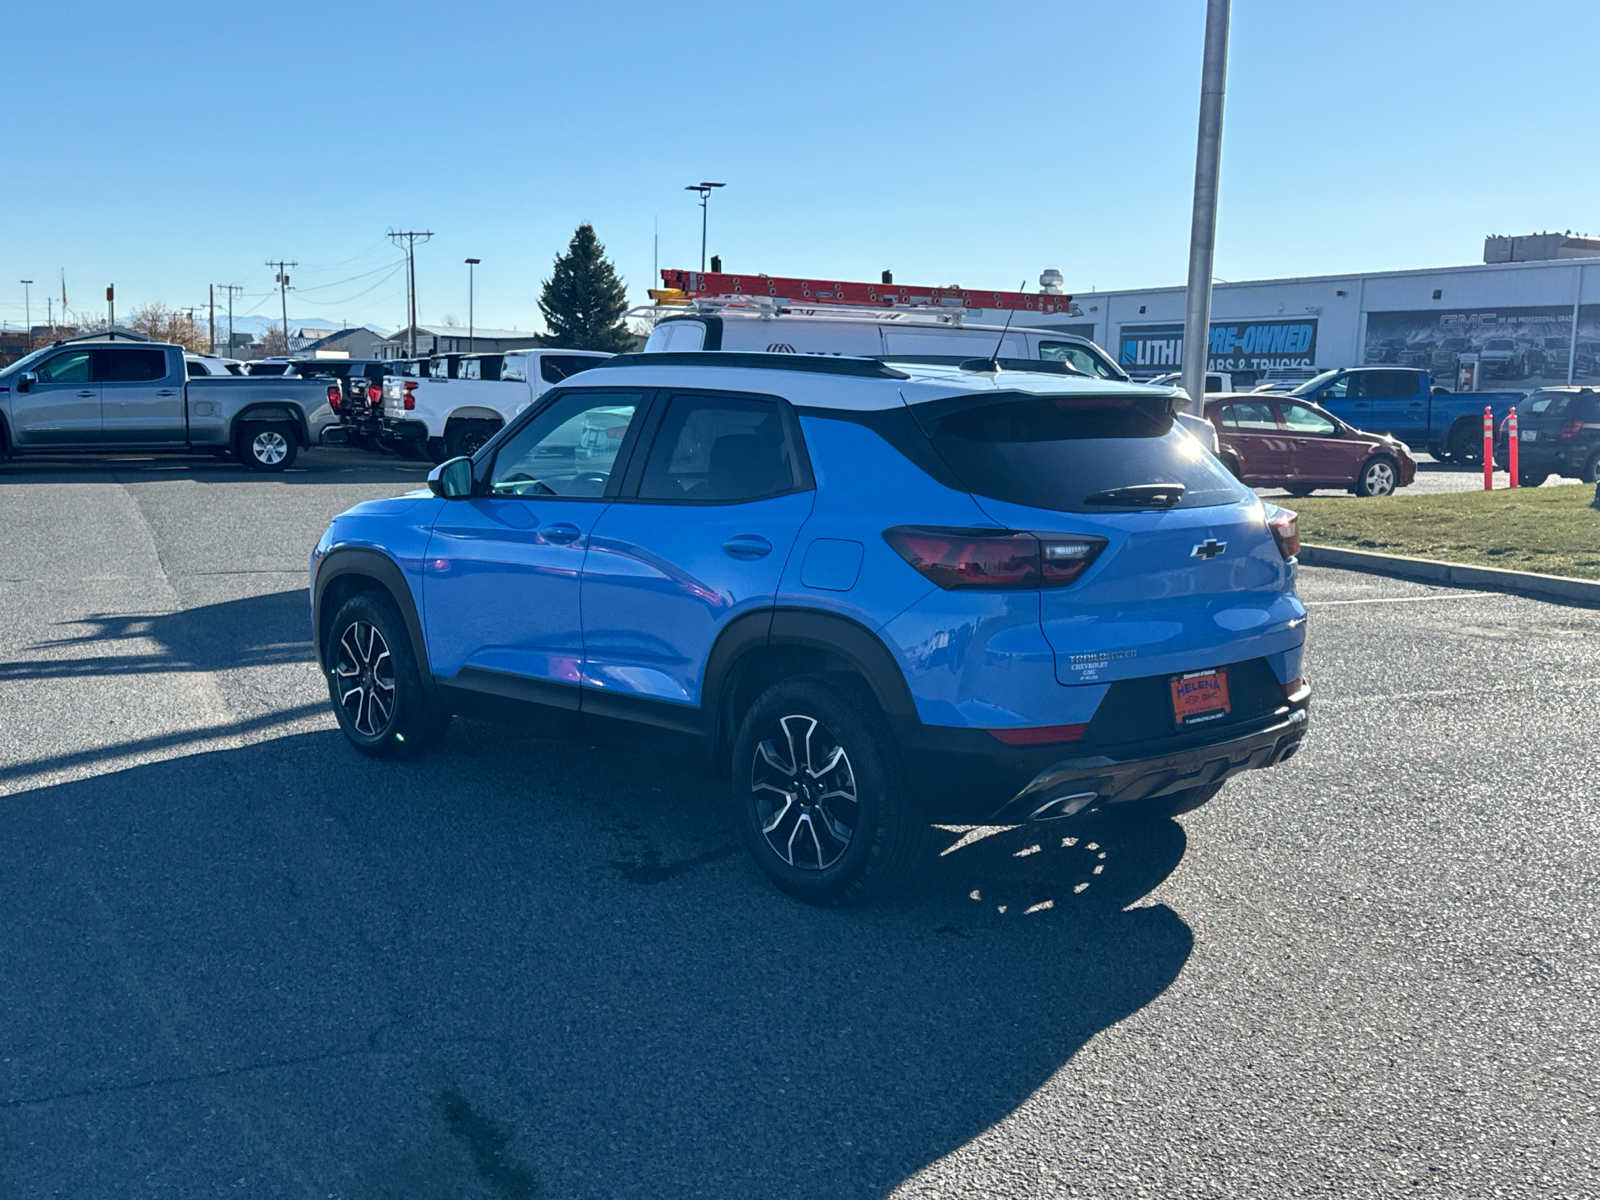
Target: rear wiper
x,y
1140,495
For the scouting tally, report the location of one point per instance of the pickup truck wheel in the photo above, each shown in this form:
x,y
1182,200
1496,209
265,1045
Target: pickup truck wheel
x,y
1378,476
374,681
267,447
820,795
464,437
1465,442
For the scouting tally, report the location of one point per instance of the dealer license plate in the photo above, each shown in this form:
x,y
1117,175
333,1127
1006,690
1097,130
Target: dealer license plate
x,y
1200,696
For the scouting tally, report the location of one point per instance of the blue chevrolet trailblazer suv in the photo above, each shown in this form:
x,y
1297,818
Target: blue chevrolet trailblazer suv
x,y
884,596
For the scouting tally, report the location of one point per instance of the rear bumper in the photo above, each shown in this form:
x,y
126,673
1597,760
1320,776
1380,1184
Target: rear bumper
x,y
967,777
405,431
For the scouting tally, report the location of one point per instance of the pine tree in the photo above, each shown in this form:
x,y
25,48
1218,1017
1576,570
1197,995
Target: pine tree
x,y
583,300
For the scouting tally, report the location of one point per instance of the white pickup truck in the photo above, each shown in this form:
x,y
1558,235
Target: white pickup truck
x,y
443,417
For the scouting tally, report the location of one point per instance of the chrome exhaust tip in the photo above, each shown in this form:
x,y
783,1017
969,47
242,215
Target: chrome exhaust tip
x,y
1063,806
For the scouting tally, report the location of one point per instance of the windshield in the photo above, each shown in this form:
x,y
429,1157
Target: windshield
x,y
22,363
1313,384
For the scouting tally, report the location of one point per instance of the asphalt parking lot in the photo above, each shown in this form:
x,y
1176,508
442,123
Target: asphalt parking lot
x,y
238,958
1434,477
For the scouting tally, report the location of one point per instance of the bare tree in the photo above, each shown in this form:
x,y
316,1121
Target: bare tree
x,y
169,325
274,341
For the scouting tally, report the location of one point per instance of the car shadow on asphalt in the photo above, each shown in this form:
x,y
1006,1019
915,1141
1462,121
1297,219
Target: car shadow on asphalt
x,y
313,466
521,967
251,631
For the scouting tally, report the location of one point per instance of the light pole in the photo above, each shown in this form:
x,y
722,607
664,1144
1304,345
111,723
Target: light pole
x,y
472,264
27,310
704,188
1203,222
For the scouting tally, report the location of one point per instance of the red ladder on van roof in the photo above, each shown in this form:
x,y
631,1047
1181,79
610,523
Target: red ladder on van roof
x,y
705,284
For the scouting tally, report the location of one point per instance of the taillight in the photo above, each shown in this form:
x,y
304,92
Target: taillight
x,y
1570,429
1285,526
992,558
408,401
333,396
374,393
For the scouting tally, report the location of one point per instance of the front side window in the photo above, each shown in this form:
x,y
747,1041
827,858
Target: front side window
x,y
719,449
1297,418
71,367
1249,414
568,449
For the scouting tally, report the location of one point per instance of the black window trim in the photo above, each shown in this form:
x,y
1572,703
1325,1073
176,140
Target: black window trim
x,y
794,441
483,462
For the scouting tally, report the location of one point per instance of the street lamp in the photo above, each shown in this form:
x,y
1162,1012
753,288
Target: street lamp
x,y
704,188
472,264
27,310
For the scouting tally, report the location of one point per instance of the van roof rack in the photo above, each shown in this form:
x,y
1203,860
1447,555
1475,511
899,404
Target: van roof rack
x,y
820,364
770,307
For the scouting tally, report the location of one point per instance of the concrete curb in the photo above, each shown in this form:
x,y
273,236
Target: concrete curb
x,y
1556,589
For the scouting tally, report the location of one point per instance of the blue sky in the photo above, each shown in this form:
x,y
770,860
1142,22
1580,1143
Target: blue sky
x,y
168,147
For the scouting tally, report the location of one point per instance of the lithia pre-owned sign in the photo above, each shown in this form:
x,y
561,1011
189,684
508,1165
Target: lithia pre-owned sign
x,y
1235,345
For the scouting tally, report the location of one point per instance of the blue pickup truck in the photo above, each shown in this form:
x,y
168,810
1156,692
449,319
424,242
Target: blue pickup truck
x,y
1403,401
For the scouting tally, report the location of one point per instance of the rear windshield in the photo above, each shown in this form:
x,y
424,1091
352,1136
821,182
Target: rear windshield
x,y
1056,452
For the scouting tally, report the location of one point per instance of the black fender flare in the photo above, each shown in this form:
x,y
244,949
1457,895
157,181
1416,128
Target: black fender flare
x,y
272,410
809,628
384,571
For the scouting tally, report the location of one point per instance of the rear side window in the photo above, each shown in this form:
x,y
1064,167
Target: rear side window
x,y
129,366
553,368
1249,414
1056,452
1547,404
719,449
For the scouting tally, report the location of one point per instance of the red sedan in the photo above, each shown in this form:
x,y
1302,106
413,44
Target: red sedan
x,y
1278,441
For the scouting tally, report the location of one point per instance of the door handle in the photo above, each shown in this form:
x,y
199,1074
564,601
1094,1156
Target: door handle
x,y
561,534
87,394
166,392
747,545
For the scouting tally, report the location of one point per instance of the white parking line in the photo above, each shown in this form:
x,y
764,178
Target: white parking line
x,y
1402,599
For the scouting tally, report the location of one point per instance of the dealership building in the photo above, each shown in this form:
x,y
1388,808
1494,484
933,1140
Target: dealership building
x,y
1530,313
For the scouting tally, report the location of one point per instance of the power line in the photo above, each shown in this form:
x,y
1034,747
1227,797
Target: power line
x,y
411,236
322,287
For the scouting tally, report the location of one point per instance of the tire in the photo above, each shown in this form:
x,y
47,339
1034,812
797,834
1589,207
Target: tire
x,y
858,832
1591,469
1465,443
267,445
1530,477
1232,464
368,651
431,450
1300,491
464,437
1379,476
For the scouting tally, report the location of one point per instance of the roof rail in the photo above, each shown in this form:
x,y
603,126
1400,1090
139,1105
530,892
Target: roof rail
x,y
1039,366
819,364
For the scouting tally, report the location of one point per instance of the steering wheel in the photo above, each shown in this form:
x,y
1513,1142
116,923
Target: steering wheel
x,y
599,477
518,479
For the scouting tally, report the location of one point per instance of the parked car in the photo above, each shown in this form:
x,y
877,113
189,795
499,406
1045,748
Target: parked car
x,y
442,417
360,404
201,365
1558,433
1403,401
117,396
1216,381
1279,441
882,597
266,366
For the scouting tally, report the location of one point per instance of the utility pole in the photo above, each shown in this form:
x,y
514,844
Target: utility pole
x,y
472,264
111,306
230,288
1203,224
50,315
211,318
411,236
283,297
27,311
704,188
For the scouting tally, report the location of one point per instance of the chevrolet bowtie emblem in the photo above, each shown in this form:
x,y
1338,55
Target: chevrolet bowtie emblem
x,y
1209,548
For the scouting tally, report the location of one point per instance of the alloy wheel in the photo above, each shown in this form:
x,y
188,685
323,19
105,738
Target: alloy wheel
x,y
1380,479
364,675
269,447
804,791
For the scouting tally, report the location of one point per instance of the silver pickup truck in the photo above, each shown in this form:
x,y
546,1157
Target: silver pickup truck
x,y
114,396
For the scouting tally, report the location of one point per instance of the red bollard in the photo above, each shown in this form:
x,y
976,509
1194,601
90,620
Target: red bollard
x,y
1511,446
1488,449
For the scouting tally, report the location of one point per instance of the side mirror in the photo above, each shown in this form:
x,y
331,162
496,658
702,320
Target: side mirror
x,y
26,380
451,479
